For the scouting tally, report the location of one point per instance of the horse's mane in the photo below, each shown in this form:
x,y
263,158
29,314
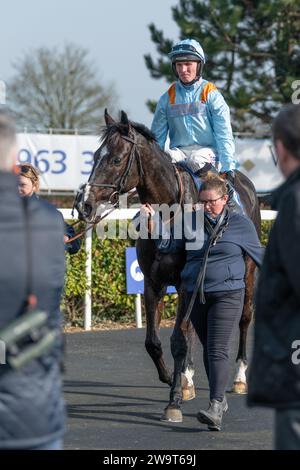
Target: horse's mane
x,y
141,129
118,127
109,131
149,136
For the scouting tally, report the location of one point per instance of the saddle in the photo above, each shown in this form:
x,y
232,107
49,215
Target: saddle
x,y
234,201
199,175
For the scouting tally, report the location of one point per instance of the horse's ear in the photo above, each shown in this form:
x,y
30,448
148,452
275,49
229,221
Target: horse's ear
x,y
125,121
108,119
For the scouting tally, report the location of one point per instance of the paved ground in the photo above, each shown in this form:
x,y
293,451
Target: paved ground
x,y
115,400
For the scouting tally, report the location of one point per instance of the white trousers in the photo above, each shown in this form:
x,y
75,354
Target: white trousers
x,y
194,156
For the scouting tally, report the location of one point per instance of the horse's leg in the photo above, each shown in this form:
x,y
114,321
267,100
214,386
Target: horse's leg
x,y
187,374
179,349
240,381
153,308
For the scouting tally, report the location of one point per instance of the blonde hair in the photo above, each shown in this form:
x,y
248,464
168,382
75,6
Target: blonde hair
x,y
29,171
214,182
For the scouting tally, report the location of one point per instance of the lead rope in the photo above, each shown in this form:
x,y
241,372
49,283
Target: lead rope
x,y
214,235
80,234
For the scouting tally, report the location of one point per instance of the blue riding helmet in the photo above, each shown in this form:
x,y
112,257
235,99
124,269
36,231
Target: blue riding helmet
x,y
187,50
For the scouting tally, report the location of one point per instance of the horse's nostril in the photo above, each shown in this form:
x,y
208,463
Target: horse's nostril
x,y
87,209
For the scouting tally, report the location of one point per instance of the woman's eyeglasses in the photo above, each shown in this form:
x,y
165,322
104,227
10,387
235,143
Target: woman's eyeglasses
x,y
212,202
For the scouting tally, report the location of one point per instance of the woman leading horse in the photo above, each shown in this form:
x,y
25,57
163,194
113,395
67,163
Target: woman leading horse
x,y
128,158
213,284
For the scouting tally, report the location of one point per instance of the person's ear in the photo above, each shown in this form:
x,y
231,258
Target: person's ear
x,y
281,151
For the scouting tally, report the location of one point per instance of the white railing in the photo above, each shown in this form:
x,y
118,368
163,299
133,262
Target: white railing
x,y
118,214
268,215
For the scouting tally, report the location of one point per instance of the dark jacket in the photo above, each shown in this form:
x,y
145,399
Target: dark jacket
x,y
73,247
31,403
226,266
274,379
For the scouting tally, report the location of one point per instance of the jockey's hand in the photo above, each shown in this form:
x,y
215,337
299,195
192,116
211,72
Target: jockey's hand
x,y
147,210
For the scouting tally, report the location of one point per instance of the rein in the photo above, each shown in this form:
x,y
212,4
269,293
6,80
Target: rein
x,y
114,197
97,220
180,189
134,154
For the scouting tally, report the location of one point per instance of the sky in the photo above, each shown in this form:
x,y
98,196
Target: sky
x,y
115,32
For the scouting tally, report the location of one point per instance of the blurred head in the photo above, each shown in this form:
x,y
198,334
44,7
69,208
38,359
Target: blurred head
x,y
286,137
213,194
188,59
8,141
28,180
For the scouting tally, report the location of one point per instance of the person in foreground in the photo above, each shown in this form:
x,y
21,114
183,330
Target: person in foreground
x,y
274,378
32,268
219,301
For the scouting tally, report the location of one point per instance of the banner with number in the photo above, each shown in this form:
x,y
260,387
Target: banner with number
x,y
65,161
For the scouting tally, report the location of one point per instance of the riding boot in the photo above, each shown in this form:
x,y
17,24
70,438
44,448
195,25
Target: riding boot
x,y
202,172
234,202
231,200
213,416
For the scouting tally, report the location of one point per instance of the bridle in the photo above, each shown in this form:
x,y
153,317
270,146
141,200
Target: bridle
x,y
119,189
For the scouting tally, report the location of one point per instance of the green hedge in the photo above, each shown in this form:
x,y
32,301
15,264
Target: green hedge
x,y
109,298
266,226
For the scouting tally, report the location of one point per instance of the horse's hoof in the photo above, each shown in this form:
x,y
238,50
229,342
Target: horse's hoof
x,y
188,393
172,415
240,388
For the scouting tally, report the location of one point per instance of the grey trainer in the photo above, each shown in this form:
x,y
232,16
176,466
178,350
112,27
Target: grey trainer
x,y
213,416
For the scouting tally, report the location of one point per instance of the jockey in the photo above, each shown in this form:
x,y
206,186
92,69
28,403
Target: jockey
x,y
195,115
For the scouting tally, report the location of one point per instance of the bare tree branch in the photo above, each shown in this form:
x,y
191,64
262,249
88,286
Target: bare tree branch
x,y
58,89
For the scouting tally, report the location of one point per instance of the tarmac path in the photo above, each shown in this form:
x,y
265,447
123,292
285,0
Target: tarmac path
x,y
114,399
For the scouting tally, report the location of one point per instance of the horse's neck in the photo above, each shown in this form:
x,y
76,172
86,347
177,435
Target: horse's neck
x,y
159,184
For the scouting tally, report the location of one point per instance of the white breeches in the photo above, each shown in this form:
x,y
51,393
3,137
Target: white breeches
x,y
194,156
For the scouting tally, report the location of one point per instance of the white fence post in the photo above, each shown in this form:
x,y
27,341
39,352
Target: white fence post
x,y
88,272
138,311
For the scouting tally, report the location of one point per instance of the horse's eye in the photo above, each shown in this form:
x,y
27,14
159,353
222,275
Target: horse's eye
x,y
117,161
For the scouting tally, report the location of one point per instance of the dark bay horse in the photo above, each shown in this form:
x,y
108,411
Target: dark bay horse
x,y
128,158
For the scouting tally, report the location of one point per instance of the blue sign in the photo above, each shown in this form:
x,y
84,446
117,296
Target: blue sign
x,y
134,275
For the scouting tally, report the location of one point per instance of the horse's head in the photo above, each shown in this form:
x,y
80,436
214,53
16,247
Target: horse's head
x,y
116,170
